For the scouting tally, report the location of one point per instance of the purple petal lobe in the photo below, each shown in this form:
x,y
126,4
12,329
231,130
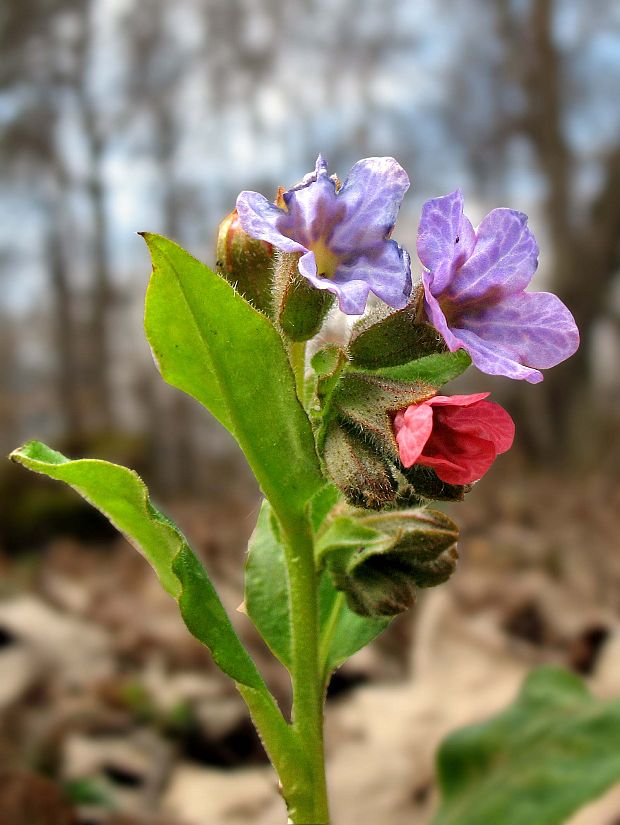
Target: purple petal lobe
x,y
307,268
494,360
352,299
534,327
385,269
261,220
445,237
438,319
371,197
313,208
320,168
504,259
352,293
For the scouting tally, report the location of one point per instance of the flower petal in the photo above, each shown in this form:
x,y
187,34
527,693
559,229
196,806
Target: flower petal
x,y
413,428
384,269
313,207
446,238
371,196
438,319
465,458
352,295
457,400
261,220
503,261
535,328
495,361
483,419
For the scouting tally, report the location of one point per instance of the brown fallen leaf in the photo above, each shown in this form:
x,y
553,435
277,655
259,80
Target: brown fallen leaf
x,y
28,799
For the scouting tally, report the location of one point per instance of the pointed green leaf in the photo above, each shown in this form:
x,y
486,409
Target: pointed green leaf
x,y
122,496
552,751
343,632
209,342
267,588
435,370
346,534
267,602
321,505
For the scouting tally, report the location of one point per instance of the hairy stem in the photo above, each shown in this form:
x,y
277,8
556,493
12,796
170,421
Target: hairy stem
x,y
308,694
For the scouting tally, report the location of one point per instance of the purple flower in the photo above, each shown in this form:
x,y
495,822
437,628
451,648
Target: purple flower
x,y
474,288
342,232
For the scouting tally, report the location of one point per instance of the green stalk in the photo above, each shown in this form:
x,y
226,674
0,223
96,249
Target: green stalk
x,y
297,357
282,747
308,694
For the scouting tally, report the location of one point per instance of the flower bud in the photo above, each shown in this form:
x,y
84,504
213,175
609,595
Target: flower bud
x,y
380,560
300,307
245,263
363,476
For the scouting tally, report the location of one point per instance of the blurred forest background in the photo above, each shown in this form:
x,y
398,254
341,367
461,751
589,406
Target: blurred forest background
x,y
124,115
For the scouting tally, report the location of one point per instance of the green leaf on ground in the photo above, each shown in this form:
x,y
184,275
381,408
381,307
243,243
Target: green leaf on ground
x,y
553,750
122,496
211,343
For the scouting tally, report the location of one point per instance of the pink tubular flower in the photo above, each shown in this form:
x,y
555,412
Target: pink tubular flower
x,y
458,436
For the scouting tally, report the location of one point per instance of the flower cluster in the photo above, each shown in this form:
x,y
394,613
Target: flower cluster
x,y
473,282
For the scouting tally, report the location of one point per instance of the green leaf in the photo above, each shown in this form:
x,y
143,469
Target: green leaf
x,y
397,338
346,533
435,370
267,602
122,496
209,342
266,587
343,632
321,505
552,751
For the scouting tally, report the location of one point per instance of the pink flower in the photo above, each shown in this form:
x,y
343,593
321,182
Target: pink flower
x,y
458,436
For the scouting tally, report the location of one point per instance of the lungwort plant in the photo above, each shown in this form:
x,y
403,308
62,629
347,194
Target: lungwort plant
x,y
350,449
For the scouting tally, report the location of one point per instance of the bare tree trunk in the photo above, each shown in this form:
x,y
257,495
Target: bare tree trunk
x,y
101,355
99,365
67,370
585,248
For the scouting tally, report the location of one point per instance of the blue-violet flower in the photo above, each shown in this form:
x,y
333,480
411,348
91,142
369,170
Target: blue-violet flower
x,y
342,232
474,286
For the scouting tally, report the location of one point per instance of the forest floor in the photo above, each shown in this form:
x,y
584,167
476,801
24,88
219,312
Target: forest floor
x,y
110,714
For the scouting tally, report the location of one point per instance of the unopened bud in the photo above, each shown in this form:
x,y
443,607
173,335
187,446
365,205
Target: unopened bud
x,y
300,308
361,474
246,263
380,560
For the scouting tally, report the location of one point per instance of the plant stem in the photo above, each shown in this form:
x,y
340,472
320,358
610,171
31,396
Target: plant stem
x,y
278,737
308,694
297,356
